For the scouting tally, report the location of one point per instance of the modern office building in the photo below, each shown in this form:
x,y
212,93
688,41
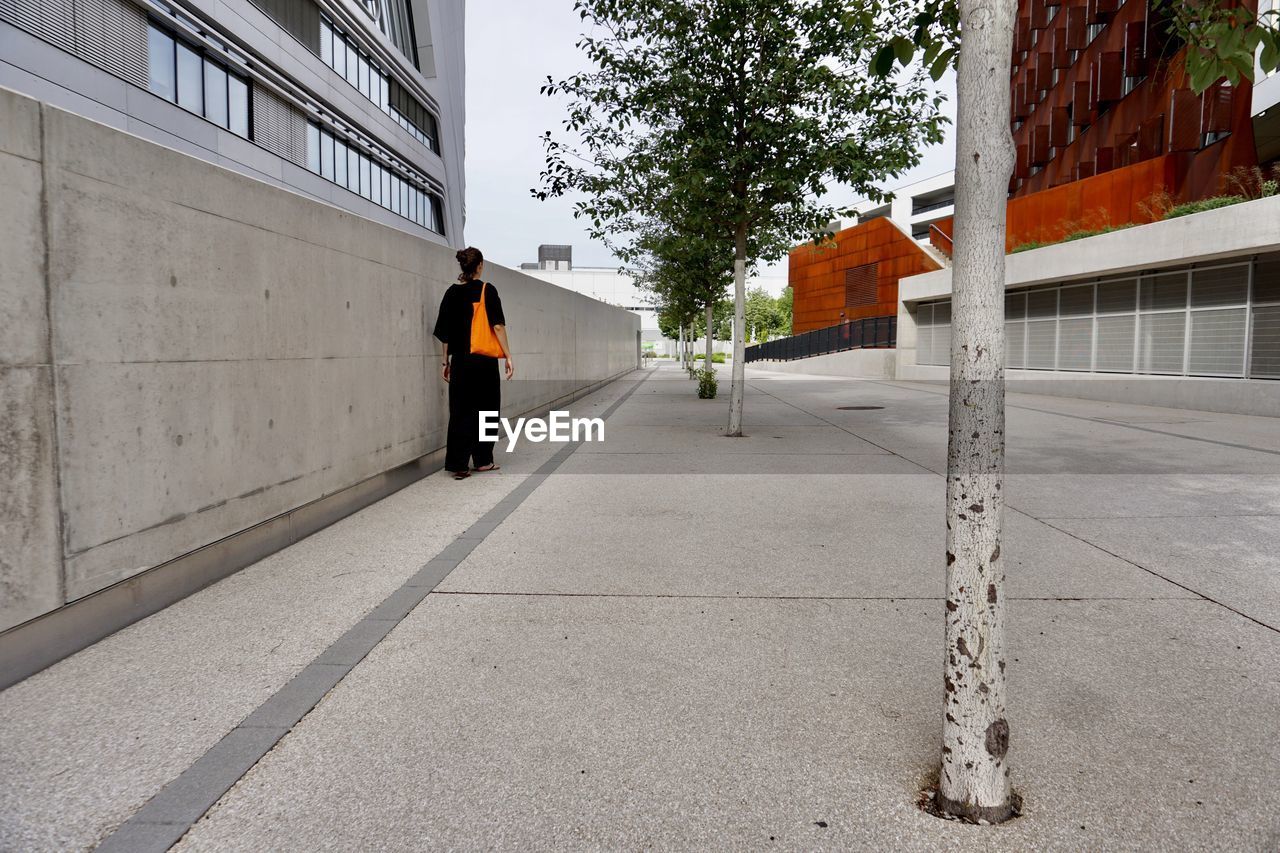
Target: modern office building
x,y
358,103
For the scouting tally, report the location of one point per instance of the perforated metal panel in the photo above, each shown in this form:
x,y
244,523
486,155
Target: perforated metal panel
x,y
1266,342
1160,342
1115,344
1075,343
1217,342
112,34
279,126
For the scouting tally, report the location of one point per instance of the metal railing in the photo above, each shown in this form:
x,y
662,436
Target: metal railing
x,y
855,334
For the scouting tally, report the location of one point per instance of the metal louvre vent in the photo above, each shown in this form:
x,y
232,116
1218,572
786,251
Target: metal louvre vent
x,y
860,285
113,35
279,126
47,19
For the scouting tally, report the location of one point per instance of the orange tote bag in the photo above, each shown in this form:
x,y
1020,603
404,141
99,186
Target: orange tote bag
x,y
483,340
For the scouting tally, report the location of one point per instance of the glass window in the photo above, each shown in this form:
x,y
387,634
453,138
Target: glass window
x,y
339,55
1160,342
353,65
161,62
386,189
365,78
313,148
353,166
326,155
1217,342
340,175
1163,292
437,214
238,105
326,42
375,183
365,189
215,93
1220,286
404,198
190,80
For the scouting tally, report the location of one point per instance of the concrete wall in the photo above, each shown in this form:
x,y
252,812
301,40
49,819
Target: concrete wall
x,y
186,352
855,363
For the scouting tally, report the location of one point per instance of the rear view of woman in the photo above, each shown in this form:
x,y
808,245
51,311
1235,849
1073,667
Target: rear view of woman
x,y
473,329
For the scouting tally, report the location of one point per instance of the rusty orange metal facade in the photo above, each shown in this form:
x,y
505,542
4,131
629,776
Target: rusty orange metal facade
x,y
825,279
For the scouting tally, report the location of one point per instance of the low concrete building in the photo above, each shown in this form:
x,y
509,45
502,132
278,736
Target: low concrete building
x,y
1184,312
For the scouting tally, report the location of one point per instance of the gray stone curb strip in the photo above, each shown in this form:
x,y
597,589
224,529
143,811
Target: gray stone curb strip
x,y
167,816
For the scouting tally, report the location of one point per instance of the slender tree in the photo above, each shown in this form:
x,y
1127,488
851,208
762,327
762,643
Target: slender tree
x,y
743,111
1223,39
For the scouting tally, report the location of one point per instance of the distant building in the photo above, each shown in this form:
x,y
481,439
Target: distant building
x,y
915,206
616,287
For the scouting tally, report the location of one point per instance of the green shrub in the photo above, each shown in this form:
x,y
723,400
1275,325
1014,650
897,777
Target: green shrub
x,y
717,358
1027,246
699,356
707,384
1204,204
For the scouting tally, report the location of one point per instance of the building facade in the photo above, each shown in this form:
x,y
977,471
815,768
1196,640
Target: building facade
x,y
358,103
915,206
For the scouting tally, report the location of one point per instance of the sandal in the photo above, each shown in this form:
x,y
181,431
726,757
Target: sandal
x,y
490,467
461,475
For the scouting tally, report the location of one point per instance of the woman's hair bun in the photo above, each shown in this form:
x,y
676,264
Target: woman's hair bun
x,y
469,259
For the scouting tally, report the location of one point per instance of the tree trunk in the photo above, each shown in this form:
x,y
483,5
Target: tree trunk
x,y
974,781
680,346
710,318
738,371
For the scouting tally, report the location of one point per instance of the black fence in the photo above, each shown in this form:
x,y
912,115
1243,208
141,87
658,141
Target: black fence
x,y
855,334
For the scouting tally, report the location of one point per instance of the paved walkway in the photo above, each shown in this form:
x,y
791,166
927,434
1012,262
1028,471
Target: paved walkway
x,y
674,639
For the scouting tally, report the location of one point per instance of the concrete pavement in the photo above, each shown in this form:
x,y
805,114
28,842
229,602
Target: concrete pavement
x,y
674,639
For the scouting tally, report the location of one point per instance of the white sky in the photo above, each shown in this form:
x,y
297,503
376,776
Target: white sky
x,y
511,47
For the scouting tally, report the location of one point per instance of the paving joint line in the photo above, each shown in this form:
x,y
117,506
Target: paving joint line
x,y
172,811
1025,514
1108,422
723,597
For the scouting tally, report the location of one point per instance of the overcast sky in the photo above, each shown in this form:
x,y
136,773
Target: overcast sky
x,y
512,45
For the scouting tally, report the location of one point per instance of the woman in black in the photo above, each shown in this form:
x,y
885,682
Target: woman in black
x,y
473,379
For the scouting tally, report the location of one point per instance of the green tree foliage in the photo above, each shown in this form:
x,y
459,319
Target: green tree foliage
x,y
738,112
767,317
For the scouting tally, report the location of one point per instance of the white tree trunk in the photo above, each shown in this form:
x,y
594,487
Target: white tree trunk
x,y
974,781
710,314
738,371
680,346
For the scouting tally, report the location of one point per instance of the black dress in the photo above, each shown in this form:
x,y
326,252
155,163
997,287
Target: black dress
x,y
474,385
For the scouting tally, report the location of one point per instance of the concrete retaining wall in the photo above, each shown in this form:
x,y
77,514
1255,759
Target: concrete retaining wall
x,y
186,353
855,363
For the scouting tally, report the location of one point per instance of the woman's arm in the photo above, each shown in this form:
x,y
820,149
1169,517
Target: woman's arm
x,y
444,368
501,332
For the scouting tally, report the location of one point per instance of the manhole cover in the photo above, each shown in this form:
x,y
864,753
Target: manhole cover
x,y
858,408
